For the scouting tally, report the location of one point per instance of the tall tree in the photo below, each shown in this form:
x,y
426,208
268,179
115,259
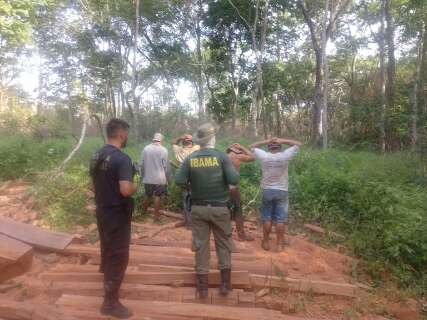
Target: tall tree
x,y
383,99
309,10
391,60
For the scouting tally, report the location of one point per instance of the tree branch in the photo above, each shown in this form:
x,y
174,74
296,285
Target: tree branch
x,y
239,14
310,25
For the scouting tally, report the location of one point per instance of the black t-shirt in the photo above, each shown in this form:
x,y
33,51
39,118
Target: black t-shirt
x,y
108,166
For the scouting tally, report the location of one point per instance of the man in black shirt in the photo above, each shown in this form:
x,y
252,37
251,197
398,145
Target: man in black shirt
x,y
112,176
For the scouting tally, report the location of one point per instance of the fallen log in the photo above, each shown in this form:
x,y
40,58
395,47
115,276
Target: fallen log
x,y
321,231
15,258
176,310
240,279
303,285
34,236
168,214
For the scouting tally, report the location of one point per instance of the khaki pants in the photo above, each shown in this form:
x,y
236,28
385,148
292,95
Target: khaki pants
x,y
217,219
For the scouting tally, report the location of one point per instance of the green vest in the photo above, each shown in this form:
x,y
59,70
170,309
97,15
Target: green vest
x,y
209,173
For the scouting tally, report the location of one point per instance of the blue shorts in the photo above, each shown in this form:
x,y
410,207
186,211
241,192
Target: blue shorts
x,y
274,206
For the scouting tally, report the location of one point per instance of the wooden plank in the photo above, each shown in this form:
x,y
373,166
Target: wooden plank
x,y
237,246
86,268
16,258
315,286
160,268
187,310
152,250
240,279
18,310
34,236
11,250
148,293
95,315
137,258
186,252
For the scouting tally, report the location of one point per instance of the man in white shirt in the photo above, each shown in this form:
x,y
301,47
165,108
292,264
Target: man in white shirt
x,y
156,173
274,184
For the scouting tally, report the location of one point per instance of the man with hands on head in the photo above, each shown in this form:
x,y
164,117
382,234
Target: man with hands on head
x,y
238,154
274,184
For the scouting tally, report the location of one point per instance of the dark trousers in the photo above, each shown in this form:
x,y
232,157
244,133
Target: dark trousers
x,y
114,226
186,203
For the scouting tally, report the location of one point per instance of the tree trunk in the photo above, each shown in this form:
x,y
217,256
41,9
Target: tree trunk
x,y
200,88
76,148
391,66
383,104
318,98
423,74
135,50
277,111
324,112
414,116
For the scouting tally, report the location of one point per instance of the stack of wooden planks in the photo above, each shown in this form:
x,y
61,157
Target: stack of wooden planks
x,y
165,265
160,310
16,246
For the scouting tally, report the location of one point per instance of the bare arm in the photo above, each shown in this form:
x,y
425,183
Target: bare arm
x,y
289,142
259,144
177,140
246,155
127,188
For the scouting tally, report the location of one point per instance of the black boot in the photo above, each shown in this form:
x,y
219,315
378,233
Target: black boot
x,y
112,306
225,287
202,285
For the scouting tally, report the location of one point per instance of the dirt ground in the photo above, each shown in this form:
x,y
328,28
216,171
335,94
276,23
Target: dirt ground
x,y
302,259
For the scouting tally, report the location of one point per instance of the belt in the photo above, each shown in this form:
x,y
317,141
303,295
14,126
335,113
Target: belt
x,y
210,203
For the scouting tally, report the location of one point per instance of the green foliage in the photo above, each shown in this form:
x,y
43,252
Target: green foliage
x,y
379,202
65,198
22,156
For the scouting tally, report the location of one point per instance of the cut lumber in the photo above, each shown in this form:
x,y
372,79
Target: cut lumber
x,y
321,231
150,293
34,236
14,310
87,268
237,247
240,279
171,251
95,315
315,286
138,257
185,310
11,250
16,258
160,268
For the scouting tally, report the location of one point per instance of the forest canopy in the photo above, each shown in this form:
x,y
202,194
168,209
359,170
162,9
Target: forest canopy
x,y
335,72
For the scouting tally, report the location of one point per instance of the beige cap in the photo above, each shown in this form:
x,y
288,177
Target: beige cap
x,y
158,137
205,132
